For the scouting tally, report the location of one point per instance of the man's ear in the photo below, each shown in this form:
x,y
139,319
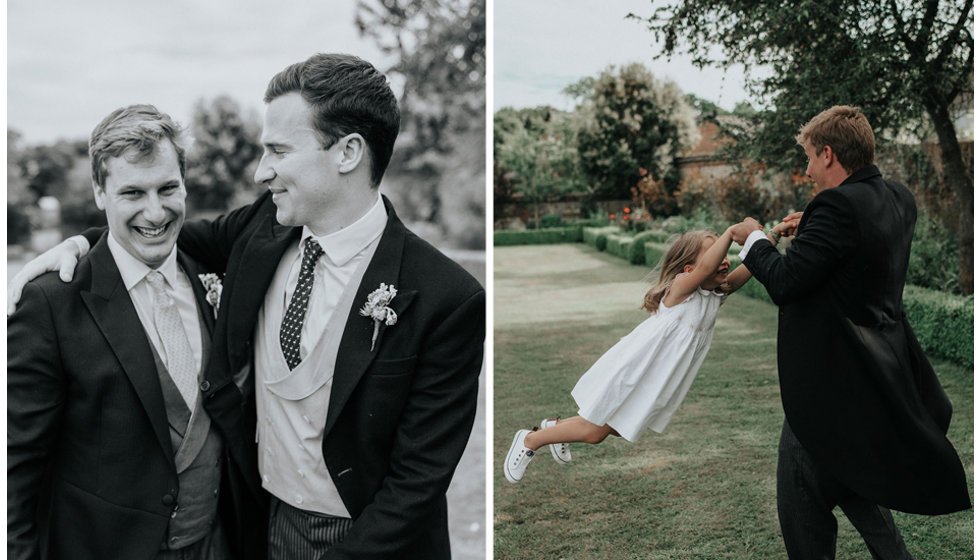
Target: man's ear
x,y
352,151
827,156
99,196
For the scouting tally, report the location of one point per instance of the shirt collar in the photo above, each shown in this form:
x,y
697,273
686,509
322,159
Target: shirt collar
x,y
341,246
134,270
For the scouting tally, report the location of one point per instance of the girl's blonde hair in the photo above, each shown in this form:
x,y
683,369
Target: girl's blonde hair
x,y
684,250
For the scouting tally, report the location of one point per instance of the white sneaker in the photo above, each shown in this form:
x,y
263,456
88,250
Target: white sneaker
x,y
517,458
560,451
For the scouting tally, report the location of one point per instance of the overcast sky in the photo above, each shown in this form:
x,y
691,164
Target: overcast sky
x,y
71,63
541,46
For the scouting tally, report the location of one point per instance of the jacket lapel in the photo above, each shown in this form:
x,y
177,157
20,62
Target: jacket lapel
x,y
260,259
355,354
114,313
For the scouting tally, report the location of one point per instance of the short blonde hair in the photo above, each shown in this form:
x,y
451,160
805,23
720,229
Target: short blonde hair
x,y
846,131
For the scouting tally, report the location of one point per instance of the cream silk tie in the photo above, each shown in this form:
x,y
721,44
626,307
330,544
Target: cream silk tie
x,y
180,359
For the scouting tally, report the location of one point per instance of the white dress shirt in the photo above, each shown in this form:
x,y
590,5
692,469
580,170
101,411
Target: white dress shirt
x,y
343,252
134,271
756,235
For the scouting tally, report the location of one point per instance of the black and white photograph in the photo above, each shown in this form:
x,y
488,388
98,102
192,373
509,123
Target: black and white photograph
x,y
246,280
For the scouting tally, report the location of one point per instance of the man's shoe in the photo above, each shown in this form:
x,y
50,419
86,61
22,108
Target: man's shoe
x,y
517,458
559,451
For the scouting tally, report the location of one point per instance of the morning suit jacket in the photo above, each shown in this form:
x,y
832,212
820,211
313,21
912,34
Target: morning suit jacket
x,y
398,416
856,387
90,464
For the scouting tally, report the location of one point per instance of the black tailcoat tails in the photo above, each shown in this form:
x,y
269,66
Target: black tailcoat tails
x,y
856,387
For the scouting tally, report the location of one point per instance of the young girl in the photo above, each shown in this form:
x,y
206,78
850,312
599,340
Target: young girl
x,y
642,379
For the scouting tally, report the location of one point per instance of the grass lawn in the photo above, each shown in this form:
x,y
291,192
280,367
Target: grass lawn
x,y
706,488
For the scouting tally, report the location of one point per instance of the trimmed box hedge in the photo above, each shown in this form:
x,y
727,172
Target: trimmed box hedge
x,y
538,236
653,252
592,235
942,322
619,245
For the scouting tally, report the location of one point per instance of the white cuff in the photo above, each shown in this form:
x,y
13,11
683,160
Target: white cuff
x,y
81,243
752,238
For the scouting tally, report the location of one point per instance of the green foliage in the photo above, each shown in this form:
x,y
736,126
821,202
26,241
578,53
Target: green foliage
x,y
902,63
942,322
549,221
637,254
619,245
602,241
653,252
933,262
536,148
222,160
538,236
590,235
633,123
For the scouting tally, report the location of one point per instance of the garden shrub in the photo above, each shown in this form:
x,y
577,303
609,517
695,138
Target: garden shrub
x,y
637,251
942,322
601,241
653,252
538,236
590,235
619,245
549,221
934,261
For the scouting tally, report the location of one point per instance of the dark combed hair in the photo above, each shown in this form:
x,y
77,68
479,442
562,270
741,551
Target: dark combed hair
x,y
347,95
135,132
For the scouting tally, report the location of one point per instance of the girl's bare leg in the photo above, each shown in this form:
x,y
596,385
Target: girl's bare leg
x,y
568,430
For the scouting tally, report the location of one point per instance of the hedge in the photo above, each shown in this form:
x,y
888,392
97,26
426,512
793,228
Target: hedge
x,y
591,235
942,322
653,252
619,245
538,236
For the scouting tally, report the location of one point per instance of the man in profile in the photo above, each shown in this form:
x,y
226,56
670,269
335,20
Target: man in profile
x,y
348,347
866,416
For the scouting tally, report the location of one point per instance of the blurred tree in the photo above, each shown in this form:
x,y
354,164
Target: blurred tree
x,y
633,122
895,59
536,147
222,158
17,188
45,167
439,47
19,197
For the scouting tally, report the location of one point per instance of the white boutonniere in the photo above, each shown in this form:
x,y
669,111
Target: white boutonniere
x,y
377,308
212,283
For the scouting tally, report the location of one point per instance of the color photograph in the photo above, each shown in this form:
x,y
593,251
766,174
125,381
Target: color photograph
x,y
733,280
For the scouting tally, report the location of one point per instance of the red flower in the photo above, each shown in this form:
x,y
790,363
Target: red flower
x,y
626,210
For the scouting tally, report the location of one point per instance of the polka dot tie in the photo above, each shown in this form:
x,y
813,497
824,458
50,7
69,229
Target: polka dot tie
x,y
180,359
292,322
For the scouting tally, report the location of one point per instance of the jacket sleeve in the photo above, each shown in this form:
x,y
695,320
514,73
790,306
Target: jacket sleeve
x,y
210,242
430,439
827,238
36,391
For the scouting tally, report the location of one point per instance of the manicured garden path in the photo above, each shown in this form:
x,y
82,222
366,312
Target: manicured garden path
x,y
705,489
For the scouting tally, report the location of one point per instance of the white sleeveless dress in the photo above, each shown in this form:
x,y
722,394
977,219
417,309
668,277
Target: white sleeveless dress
x,y
642,379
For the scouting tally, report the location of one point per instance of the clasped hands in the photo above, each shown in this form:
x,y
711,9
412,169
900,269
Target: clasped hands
x,y
741,230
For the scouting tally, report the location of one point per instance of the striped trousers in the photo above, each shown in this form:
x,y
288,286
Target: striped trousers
x,y
296,534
